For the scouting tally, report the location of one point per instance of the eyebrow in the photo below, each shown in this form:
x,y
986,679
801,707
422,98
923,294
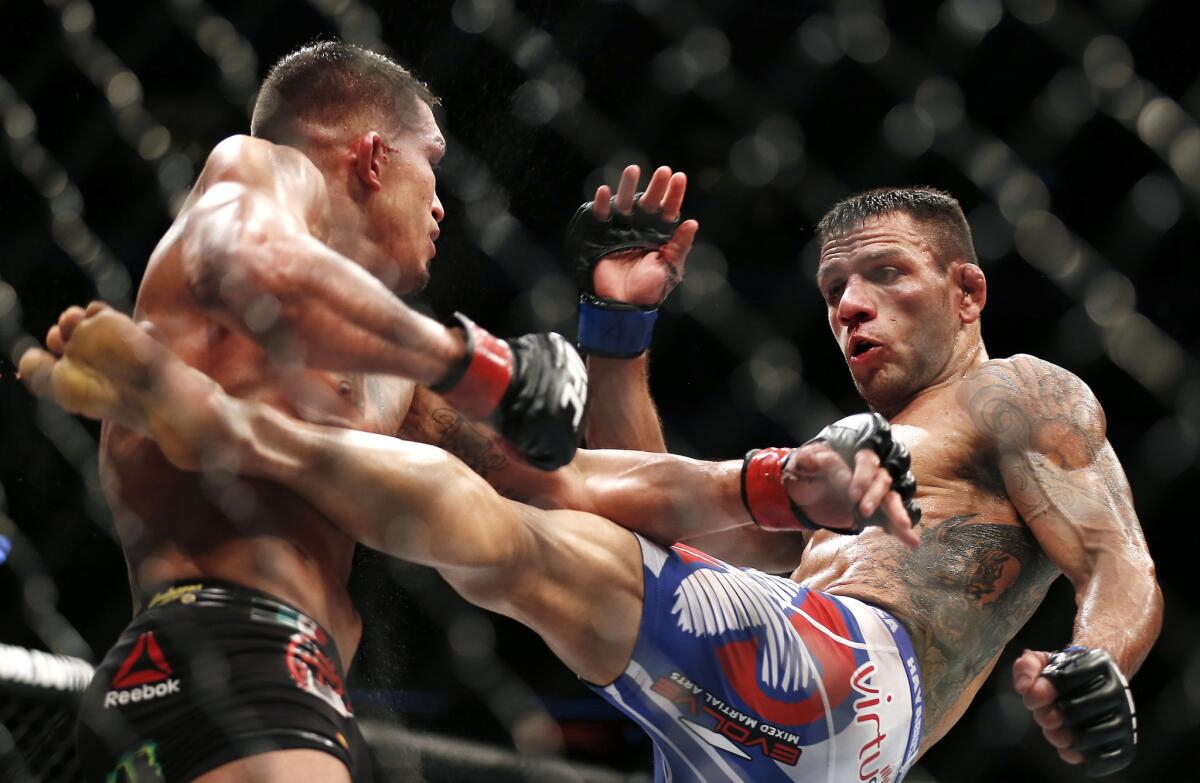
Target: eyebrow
x,y
874,255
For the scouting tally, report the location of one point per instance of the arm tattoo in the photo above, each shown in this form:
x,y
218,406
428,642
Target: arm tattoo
x,y
457,436
1048,432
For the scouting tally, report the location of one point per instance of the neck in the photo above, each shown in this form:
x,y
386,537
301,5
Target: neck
x,y
961,362
348,231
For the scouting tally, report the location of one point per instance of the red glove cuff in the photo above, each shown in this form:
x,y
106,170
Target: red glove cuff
x,y
763,493
476,387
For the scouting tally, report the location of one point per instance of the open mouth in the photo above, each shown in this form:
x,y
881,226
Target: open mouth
x,y
861,346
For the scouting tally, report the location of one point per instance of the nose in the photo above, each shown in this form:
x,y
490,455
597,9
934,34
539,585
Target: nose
x,y
855,305
439,212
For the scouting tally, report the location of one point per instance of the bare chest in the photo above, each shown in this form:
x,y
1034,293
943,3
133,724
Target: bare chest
x,y
347,400
978,573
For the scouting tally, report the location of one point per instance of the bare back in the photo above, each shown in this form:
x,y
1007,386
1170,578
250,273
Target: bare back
x,y
176,525
977,576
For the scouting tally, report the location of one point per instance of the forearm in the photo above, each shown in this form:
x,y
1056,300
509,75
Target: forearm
x,y
662,496
622,413
308,303
1120,609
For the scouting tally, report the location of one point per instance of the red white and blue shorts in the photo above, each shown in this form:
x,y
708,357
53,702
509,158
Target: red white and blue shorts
x,y
738,675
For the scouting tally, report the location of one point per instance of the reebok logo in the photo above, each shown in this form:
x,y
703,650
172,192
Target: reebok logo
x,y
141,693
144,675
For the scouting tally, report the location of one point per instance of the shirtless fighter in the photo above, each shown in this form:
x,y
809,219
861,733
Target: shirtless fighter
x,y
1017,483
278,279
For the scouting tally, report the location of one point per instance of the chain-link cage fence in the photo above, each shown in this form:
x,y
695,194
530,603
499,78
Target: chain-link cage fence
x,y
1067,129
37,715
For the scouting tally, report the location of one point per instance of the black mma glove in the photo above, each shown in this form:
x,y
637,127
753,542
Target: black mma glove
x,y
532,388
1097,707
872,431
762,475
608,327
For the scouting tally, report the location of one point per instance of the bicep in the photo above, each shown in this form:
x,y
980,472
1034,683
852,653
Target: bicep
x,y
233,246
1076,512
249,191
1059,471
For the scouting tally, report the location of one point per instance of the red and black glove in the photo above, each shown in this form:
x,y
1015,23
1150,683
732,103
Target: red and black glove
x,y
768,503
533,389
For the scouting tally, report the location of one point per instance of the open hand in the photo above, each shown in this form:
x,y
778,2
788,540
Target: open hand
x,y
645,277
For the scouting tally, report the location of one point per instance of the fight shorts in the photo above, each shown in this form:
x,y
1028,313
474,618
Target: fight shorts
x,y
742,676
211,672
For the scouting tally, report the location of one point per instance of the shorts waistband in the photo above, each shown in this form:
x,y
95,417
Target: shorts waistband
x,y
912,670
248,601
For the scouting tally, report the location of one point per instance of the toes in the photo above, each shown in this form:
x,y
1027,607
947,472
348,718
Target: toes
x,y
36,367
70,318
54,340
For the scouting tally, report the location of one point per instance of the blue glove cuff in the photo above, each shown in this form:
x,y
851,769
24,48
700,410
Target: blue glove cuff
x,y
614,329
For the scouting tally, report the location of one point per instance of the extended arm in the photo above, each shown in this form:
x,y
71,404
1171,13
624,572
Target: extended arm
x,y
670,498
664,496
1064,479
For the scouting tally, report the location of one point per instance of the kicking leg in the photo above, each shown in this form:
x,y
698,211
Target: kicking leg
x,y
573,577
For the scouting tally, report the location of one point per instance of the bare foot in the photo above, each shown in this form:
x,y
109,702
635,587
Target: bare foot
x,y
104,366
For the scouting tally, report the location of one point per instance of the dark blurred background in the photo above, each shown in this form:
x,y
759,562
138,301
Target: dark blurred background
x,y
1068,131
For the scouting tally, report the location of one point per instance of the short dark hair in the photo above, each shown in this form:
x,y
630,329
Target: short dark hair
x,y
332,79
951,235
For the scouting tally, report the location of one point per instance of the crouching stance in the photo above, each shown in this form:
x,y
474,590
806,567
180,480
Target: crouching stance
x,y
735,674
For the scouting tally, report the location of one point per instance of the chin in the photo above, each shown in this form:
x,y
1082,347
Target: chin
x,y
420,282
411,281
882,395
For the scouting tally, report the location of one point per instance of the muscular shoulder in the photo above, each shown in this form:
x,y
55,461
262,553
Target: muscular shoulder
x,y
283,173
1026,403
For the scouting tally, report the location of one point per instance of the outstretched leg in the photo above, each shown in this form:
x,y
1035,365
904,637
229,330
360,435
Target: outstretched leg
x,y
573,577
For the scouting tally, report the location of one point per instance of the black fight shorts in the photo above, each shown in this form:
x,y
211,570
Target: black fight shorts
x,y
209,673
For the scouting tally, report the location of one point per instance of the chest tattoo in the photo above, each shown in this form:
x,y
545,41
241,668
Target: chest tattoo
x,y
968,588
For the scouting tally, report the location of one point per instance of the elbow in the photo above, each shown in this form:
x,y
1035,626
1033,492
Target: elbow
x,y
1154,606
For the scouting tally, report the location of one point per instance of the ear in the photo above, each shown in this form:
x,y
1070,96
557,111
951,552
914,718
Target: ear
x,y
369,157
972,290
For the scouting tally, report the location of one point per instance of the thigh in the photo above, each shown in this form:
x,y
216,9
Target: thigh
x,y
285,766
573,577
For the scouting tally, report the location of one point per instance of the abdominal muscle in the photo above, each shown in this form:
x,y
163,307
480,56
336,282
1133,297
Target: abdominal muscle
x,y
961,595
179,526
